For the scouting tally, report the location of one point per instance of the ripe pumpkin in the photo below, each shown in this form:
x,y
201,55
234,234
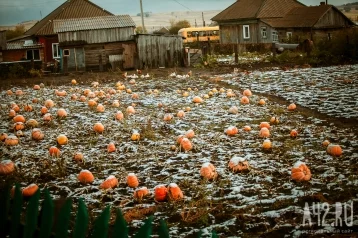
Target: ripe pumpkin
x,y
262,102
49,103
98,127
291,107
135,136
189,134
37,87
115,103
186,144
7,167
85,177
245,100
247,128
174,192
231,131
168,117
44,110
264,132
19,118
274,120
180,138
300,172
30,190
238,164
130,110
208,171
28,108
233,110
197,99
3,136
19,92
54,151
11,140
135,96
140,193
247,93
326,143
100,108
47,117
37,134
83,98
78,156
334,150
267,145
111,147
73,82
110,182
132,180
12,113
61,113
119,116
19,126
181,114
293,133
160,193
32,123
265,124
62,139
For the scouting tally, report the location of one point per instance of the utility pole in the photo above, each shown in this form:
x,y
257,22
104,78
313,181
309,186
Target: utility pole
x,y
202,15
141,13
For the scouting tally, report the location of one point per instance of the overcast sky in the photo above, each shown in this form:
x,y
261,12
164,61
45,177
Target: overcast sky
x,y
16,11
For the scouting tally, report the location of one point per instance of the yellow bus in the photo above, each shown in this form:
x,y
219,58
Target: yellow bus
x,y
193,34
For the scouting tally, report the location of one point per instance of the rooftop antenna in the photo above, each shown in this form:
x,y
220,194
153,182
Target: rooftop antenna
x,y
141,13
40,15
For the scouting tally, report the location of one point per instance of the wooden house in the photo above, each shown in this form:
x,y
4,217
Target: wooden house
x,y
43,33
242,22
96,42
312,22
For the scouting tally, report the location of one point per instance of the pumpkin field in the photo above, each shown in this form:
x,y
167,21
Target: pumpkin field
x,y
241,153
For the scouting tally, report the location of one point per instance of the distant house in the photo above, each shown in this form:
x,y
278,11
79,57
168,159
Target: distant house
x,y
94,42
242,22
43,32
267,21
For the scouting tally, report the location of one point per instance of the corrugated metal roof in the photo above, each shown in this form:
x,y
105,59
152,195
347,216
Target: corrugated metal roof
x,y
254,9
301,17
68,10
93,23
19,46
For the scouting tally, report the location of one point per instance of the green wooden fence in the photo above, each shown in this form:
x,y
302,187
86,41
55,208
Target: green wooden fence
x,y
15,224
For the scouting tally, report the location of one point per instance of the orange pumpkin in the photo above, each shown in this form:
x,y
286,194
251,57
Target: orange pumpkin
x,y
37,134
12,113
73,82
19,126
44,110
274,120
19,118
132,180
19,92
135,96
262,102
231,131
111,147
78,157
62,139
3,136
49,103
115,103
334,150
180,138
100,108
61,113
9,92
189,134
61,93
247,93
326,143
245,100
267,145
47,117
11,140
168,117
35,100
187,109
110,182
54,151
300,172
208,171
37,87
30,190
140,193
293,133
119,116
291,107
264,132
85,177
73,97
197,99
83,98
86,91
98,127
135,136
160,193
186,144
230,94
238,164
7,167
130,110
181,114
265,124
28,108
247,128
174,192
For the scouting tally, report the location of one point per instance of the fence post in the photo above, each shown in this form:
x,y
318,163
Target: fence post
x,y
100,62
187,51
65,64
273,48
236,54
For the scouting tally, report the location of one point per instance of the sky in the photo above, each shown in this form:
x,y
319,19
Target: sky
x,y
17,11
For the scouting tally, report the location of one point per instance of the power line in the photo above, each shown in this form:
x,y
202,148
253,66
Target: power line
x,y
182,5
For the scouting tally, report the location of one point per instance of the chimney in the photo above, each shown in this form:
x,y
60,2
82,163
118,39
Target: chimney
x,y
322,3
326,2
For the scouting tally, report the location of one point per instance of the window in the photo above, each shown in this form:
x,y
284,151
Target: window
x,y
263,32
33,54
66,52
55,51
246,31
274,36
289,35
188,34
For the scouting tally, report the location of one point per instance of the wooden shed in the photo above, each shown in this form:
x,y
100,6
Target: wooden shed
x,y
159,50
96,43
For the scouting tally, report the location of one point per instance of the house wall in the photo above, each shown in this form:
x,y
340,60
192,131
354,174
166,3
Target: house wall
x,y
47,41
333,19
98,36
2,40
16,55
159,51
232,32
299,35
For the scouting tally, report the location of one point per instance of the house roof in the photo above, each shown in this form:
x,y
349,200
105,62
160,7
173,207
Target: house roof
x,y
92,23
68,10
302,17
254,9
19,46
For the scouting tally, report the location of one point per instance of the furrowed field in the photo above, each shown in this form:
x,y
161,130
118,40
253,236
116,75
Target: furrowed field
x,y
258,180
